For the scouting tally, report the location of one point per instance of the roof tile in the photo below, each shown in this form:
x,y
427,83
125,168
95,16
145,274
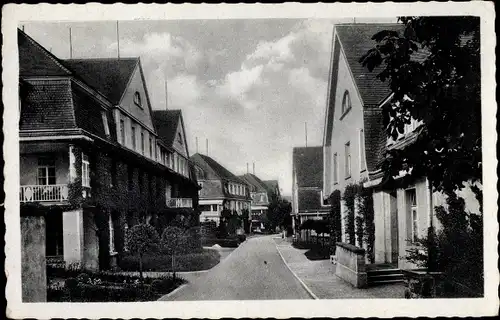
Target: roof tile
x,y
308,164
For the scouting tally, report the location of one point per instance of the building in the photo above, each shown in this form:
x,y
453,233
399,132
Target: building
x,y
90,151
354,145
261,197
219,189
308,201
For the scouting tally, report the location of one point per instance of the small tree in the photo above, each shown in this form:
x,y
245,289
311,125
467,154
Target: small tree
x,y
174,241
142,238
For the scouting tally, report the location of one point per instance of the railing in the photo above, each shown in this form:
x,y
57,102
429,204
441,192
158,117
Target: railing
x,y
41,193
180,203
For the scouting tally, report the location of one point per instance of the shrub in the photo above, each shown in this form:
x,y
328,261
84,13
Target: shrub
x,y
162,262
71,283
142,238
242,237
83,278
225,242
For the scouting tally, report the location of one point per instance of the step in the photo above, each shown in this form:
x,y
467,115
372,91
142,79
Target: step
x,y
385,271
384,282
385,277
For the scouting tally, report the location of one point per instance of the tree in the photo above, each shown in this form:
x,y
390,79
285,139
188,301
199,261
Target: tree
x,y
174,241
245,216
142,238
278,212
433,70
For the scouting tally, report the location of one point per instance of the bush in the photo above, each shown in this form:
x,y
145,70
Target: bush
x,y
242,238
163,262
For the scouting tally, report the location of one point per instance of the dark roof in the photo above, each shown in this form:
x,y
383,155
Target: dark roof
x,y
256,184
47,105
308,164
108,76
310,200
356,40
166,123
375,137
35,60
209,164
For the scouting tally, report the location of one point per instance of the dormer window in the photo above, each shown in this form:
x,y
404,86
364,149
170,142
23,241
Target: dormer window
x,y
346,102
137,99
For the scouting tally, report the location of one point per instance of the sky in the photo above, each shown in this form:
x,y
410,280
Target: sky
x,y
248,86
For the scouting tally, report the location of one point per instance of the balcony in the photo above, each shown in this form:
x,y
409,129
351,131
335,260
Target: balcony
x,y
180,203
43,193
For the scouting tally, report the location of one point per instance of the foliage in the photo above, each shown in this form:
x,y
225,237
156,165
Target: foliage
x,y
278,213
335,219
224,242
366,214
442,89
349,198
245,217
458,245
142,238
162,262
174,242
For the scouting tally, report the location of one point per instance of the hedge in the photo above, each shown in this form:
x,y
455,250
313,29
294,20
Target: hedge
x,y
162,262
225,242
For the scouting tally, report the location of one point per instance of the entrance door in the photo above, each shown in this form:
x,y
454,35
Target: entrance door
x,y
394,229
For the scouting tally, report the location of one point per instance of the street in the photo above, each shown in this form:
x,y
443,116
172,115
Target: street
x,y
254,271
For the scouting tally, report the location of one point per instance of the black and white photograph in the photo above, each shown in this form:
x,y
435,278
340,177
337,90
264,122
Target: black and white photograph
x,y
287,160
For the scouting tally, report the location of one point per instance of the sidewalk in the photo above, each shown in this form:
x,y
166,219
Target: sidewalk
x,y
320,277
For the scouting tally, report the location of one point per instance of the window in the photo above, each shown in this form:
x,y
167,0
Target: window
x,y
134,138
348,160
411,202
46,171
122,131
335,169
150,147
105,122
137,99
214,208
142,142
362,160
346,102
204,207
85,171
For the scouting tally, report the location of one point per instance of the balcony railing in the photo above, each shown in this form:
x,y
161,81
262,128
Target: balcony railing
x,y
41,193
180,203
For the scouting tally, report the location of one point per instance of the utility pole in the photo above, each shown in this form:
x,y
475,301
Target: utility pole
x,y
254,168
196,144
118,39
70,45
166,95
207,147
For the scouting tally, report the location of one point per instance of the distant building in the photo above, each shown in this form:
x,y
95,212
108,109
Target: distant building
x,y
308,201
219,189
261,195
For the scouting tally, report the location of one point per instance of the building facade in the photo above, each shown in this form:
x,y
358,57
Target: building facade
x,y
261,197
89,150
219,189
308,202
355,143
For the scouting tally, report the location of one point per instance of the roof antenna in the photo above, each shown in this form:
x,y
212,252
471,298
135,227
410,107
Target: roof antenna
x,y
207,147
70,45
118,39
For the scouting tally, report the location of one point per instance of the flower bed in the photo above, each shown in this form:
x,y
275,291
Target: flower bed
x,y
197,261
78,286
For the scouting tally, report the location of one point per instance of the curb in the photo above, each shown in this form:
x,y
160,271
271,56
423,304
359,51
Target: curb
x,y
309,291
171,293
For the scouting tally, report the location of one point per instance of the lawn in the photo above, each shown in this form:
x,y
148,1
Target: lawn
x,y
197,261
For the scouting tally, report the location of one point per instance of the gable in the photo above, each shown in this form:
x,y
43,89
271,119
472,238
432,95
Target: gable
x,y
179,142
141,112
308,166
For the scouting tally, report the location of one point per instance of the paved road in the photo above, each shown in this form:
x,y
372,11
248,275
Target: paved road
x,y
254,271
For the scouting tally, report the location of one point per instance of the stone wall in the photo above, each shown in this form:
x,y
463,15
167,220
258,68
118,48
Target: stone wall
x,y
33,261
351,264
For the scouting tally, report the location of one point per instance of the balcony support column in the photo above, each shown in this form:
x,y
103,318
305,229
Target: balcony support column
x,y
72,161
73,237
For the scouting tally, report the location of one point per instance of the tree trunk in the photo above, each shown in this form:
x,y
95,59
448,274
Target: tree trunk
x,y
173,266
140,267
